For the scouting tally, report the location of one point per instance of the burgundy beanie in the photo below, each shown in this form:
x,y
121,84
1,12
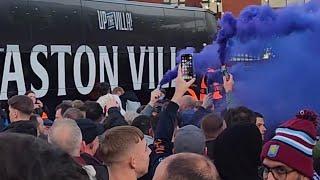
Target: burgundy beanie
x,y
293,143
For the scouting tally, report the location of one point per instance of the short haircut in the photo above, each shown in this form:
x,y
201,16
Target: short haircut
x,y
21,103
189,166
93,110
64,106
143,123
104,88
73,113
30,158
99,89
239,115
66,135
118,141
77,104
211,124
117,89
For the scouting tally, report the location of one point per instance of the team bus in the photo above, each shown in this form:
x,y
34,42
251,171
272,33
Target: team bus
x,y
61,48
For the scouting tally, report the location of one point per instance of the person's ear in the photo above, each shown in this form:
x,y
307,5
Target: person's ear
x,y
15,113
133,163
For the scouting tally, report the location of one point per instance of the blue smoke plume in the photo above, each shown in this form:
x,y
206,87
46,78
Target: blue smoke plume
x,y
280,86
228,30
290,81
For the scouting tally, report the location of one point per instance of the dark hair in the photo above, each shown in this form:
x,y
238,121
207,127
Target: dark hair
x,y
242,142
99,89
38,160
188,166
34,118
258,115
73,113
64,106
21,103
239,115
109,123
104,88
143,123
93,110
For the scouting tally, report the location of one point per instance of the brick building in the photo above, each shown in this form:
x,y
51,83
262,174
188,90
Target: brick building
x,y
234,6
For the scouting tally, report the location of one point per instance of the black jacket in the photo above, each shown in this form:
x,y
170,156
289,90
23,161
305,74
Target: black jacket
x,y
101,170
210,147
22,126
114,119
162,141
129,95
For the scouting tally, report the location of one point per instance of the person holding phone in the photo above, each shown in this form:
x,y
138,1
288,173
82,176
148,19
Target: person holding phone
x,y
38,105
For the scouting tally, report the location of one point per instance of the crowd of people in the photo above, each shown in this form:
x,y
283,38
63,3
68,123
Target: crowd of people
x,y
117,138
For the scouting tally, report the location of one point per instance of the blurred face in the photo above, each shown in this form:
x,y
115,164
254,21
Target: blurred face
x,y
141,158
58,115
260,124
275,170
32,96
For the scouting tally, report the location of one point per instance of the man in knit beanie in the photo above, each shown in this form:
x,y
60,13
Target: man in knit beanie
x,y
288,155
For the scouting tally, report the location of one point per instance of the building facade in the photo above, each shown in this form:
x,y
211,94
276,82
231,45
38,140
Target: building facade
x,y
234,6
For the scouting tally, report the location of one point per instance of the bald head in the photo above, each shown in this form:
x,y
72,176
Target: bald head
x,y
186,166
186,102
66,135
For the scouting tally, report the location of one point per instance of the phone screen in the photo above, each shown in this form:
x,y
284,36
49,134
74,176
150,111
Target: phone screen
x,y
187,67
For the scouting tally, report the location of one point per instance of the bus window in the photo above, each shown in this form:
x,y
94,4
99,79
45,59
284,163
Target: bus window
x,y
200,18
211,25
201,27
181,25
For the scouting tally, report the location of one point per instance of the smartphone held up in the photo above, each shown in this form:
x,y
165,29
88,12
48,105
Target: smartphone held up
x,y
187,67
